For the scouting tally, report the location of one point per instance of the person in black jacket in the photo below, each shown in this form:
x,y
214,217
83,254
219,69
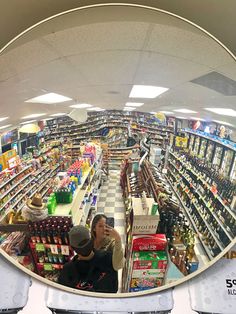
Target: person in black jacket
x,y
89,270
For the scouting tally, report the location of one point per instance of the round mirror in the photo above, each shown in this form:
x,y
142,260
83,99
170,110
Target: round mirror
x,y
159,168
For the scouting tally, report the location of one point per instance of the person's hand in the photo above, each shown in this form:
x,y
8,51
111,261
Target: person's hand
x,y
112,232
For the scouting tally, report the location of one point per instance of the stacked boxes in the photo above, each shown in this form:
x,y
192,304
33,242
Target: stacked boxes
x,y
149,262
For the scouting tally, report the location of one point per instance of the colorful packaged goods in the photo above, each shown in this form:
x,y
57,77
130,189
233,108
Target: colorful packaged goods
x,y
149,260
144,283
149,242
139,273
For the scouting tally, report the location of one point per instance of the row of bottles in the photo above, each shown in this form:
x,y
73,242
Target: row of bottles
x,y
207,203
53,230
48,257
225,188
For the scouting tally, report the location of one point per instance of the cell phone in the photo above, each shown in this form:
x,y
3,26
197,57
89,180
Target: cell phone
x,y
110,221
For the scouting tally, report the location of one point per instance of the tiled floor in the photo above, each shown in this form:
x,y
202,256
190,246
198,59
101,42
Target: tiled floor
x,y
111,201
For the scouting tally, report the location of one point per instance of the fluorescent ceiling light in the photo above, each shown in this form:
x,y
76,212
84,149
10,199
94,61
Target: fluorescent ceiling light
x,y
128,108
80,106
223,122
96,109
223,111
29,128
30,121
181,117
134,104
196,118
5,126
167,112
145,91
35,115
2,119
58,114
185,111
50,98
153,112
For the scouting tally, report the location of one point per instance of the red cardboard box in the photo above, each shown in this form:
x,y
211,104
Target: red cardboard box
x,y
142,283
148,260
149,242
141,273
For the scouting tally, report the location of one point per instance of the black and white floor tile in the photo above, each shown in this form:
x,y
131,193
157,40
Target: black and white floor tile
x,y
111,203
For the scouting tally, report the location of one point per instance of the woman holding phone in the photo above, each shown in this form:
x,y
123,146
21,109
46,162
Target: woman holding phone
x,y
105,237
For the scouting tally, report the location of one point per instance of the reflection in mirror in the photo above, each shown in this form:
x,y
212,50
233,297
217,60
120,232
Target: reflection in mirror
x,y
138,125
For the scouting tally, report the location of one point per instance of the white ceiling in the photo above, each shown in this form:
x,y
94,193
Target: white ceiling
x,y
98,63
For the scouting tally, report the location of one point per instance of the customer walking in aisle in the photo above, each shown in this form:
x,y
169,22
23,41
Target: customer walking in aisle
x,y
90,269
106,238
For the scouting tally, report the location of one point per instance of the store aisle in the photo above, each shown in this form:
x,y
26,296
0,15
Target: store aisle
x,y
111,201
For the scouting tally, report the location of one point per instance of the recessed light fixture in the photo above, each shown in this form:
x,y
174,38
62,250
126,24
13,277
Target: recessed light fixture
x,y
196,118
179,117
96,109
80,106
4,118
30,121
223,122
146,91
100,109
223,111
49,98
134,104
58,114
167,112
35,115
185,111
128,108
5,126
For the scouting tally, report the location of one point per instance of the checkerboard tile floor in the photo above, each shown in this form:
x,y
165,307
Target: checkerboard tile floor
x,y
110,201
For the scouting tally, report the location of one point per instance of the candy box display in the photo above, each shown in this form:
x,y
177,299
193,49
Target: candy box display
x,y
150,242
144,283
140,273
148,260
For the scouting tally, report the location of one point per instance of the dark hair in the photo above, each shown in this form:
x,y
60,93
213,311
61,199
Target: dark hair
x,y
94,222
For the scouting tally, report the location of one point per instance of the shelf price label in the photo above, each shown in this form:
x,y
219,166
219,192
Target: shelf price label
x,y
65,250
47,267
53,249
40,247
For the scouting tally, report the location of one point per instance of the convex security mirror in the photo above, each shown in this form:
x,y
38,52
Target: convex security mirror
x,y
152,85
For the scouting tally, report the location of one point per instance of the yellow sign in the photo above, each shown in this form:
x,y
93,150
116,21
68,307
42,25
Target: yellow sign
x,y
181,141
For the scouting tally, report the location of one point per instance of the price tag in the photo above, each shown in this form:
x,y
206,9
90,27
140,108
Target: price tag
x,y
54,249
65,250
39,247
47,267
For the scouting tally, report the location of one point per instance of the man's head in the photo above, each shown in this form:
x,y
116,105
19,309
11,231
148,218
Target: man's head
x,y
80,241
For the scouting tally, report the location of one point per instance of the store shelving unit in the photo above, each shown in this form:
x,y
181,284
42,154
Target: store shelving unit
x,y
80,206
192,190
217,152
